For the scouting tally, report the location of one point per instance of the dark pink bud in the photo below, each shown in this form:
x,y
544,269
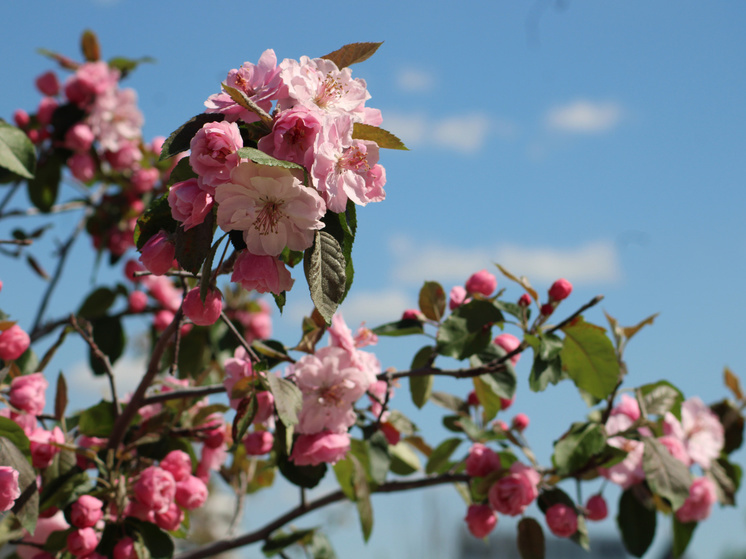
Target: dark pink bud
x,y
86,511
82,542
138,301
562,520
258,443
125,549
13,342
560,290
158,253
203,314
520,421
525,300
472,399
191,493
170,519
178,463
481,461
48,84
482,282
79,137
411,314
596,508
46,109
547,309
481,520
21,118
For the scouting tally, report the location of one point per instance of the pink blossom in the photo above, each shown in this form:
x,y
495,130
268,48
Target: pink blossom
x,y
137,301
481,520
676,448
203,313
27,392
116,121
178,463
481,461
236,368
170,519
9,488
137,509
261,273
155,488
191,493
257,325
211,459
21,118
44,527
163,291
700,430
144,180
13,343
560,290
331,383
86,511
412,314
42,452
513,493
125,549
365,337
509,343
48,84
260,82
629,471
157,255
562,520
524,300
702,495
482,282
377,393
293,136
505,403
125,156
311,450
79,137
90,79
596,508
457,297
272,208
258,443
214,152
520,421
82,166
162,319
45,110
82,541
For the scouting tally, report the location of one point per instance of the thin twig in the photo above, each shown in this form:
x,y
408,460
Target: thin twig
x,y
239,337
261,534
19,242
59,208
13,189
184,393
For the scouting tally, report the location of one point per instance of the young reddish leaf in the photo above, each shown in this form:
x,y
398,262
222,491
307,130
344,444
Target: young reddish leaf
x,y
383,138
352,54
733,383
522,281
89,46
60,398
531,543
630,331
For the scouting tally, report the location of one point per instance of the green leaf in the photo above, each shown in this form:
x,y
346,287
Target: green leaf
x,y
666,475
682,535
352,54
362,498
589,358
10,430
404,461
449,401
438,462
277,543
157,542
636,523
486,391
324,266
43,188
17,153
193,246
108,335
155,219
467,330
288,399
181,138
503,381
98,420
97,303
261,158
320,547
727,478
399,328
383,138
553,496
28,362
661,397
182,172
61,489
26,507
530,542
577,447
127,65
342,227
344,470
378,457
432,300
245,414
421,387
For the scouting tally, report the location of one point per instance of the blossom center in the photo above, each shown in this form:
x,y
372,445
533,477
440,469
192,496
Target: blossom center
x,y
269,216
353,159
330,91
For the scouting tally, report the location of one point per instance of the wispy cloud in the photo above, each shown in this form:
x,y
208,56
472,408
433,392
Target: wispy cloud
x,y
414,80
374,307
594,262
585,117
127,374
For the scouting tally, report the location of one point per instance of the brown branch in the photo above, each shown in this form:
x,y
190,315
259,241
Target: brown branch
x,y
19,242
261,534
184,393
239,337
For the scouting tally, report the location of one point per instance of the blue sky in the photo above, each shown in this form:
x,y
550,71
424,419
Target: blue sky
x,y
601,141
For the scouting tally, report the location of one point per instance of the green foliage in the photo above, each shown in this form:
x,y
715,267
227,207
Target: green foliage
x,y
98,420
666,475
432,300
288,399
636,522
467,331
547,366
156,218
109,336
193,246
589,359
276,543
439,460
577,447
17,153
43,188
261,158
405,327
682,535
97,303
324,265
660,397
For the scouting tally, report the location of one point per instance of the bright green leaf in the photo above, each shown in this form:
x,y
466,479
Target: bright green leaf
x,y
589,359
17,153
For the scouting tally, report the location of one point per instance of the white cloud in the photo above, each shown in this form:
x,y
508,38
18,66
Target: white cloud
x,y
411,129
594,262
466,133
374,307
585,117
414,80
127,374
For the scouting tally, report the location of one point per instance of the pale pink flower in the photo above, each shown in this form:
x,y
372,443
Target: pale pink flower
x,y
293,136
155,488
311,450
481,520
125,157
13,343
86,511
623,415
79,137
331,383
115,119
365,337
629,471
509,343
481,282
702,495
203,313
27,392
260,82
261,273
214,152
457,297
191,493
9,488
562,520
700,430
677,449
258,443
211,460
170,519
272,208
90,79
42,452
513,493
236,368
143,180
341,336
481,461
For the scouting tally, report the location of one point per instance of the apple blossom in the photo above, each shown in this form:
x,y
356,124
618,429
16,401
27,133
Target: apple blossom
x,y
157,255
457,297
700,431
191,493
293,136
203,313
562,520
697,507
311,450
629,471
481,520
9,488
82,166
86,511
171,518
596,508
79,137
13,343
258,443
27,392
42,452
481,460
155,488
481,282
178,464
214,152
513,493
262,273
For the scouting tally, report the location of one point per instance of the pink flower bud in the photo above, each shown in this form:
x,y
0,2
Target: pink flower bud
x,y
560,290
162,319
86,511
457,297
596,508
702,495
191,493
481,520
130,268
158,253
79,137
481,461
178,463
505,403
257,443
143,180
170,519
48,84
311,450
261,273
125,549
482,282
472,399
82,166
525,300
13,342
189,203
562,520
203,314
499,425
155,488
27,392
42,453
547,309
9,488
520,422
21,118
509,342
46,109
82,542
138,301
411,314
